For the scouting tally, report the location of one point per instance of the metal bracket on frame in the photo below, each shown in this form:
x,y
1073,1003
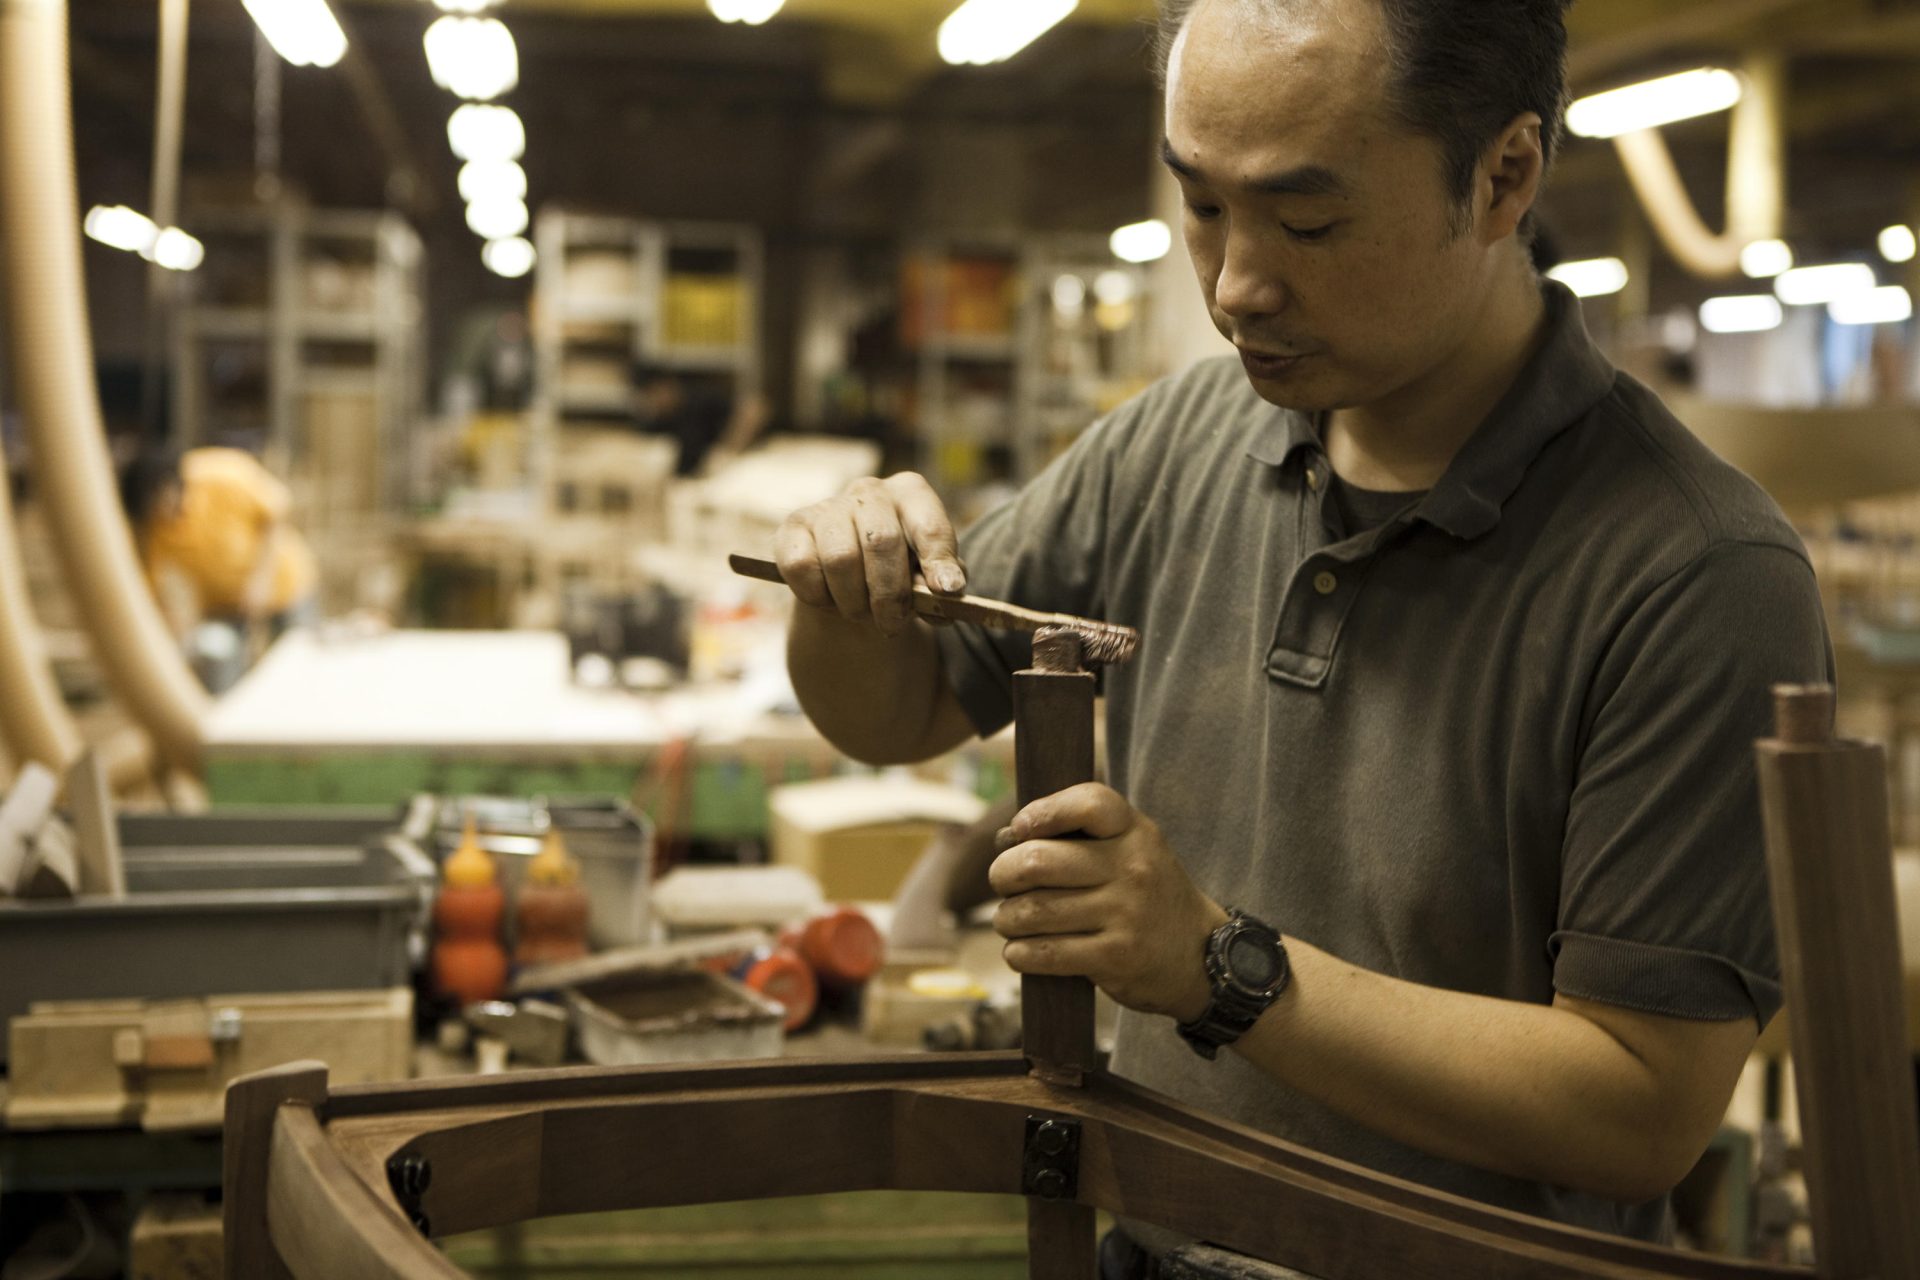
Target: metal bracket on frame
x,y
1050,1164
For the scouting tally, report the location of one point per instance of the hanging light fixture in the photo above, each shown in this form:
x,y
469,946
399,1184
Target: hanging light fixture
x,y
304,32
473,57
1592,277
984,31
751,12
1889,304
1142,242
1748,313
482,178
482,132
1811,286
497,216
1765,259
509,256
1652,103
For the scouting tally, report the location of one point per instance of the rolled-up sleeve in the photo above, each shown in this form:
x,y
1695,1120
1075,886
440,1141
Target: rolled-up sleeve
x,y
1663,898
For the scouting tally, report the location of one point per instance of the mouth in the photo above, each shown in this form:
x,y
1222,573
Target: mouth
x,y
1267,364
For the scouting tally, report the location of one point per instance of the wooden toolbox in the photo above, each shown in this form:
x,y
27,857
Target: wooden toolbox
x,y
165,1064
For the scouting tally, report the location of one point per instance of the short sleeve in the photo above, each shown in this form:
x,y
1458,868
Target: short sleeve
x,y
1663,897
1042,549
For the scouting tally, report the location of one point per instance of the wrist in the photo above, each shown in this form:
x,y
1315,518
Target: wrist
x,y
1197,987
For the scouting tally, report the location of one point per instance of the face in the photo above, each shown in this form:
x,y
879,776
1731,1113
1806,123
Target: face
x,y
1320,226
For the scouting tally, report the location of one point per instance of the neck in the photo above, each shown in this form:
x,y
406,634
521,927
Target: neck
x,y
1406,440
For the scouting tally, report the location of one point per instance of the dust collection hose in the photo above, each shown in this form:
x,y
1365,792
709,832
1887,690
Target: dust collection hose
x,y
53,362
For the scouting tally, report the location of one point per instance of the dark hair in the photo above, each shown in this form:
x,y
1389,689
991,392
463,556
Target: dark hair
x,y
153,469
1462,70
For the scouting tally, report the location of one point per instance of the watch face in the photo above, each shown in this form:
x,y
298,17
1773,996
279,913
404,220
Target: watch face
x,y
1252,961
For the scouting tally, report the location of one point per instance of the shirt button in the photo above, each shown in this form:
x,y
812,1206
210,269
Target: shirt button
x,y
1325,583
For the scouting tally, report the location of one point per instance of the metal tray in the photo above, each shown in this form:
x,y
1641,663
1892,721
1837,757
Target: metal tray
x,y
230,902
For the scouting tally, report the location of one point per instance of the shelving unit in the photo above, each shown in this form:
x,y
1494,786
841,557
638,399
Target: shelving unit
x,y
612,291
302,340
1005,375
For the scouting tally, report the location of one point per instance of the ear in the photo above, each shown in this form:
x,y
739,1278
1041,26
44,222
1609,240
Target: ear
x,y
1511,172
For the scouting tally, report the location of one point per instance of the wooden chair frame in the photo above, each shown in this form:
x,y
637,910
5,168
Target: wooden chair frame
x,y
324,1183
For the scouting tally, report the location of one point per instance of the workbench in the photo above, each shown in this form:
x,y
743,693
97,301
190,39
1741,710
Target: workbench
x,y
372,720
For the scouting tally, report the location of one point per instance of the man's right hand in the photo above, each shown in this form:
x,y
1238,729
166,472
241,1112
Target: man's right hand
x,y
856,553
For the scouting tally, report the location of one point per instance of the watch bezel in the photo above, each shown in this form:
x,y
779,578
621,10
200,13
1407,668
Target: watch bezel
x,y
1236,1004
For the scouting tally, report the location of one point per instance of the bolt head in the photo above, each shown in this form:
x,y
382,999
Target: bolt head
x,y
1050,1183
1051,1137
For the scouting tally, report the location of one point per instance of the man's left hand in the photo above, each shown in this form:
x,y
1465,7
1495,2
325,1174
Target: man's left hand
x,y
1092,890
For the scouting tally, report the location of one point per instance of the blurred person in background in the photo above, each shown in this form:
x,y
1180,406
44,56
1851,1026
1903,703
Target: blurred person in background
x,y
710,425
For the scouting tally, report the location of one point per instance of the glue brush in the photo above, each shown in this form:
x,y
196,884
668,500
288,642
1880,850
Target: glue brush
x,y
1106,643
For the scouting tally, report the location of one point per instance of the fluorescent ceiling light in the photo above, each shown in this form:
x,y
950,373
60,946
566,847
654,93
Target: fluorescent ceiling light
x,y
1765,259
1147,241
1810,286
1889,304
1592,277
304,32
509,256
482,178
497,217
465,6
983,31
1751,313
120,227
473,57
1897,244
751,12
477,132
175,250
1654,102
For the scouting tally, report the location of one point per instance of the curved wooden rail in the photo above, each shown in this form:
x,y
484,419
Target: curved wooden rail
x,y
349,1184
553,1143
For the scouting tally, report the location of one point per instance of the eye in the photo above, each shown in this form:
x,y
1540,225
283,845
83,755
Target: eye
x,y
1204,212
1309,235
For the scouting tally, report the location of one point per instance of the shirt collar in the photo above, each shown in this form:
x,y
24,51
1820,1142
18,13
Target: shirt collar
x,y
1562,382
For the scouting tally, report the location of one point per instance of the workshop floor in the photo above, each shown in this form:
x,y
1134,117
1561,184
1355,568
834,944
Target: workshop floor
x,y
855,1236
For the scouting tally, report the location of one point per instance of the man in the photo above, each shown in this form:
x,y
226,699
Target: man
x,y
1455,645
710,426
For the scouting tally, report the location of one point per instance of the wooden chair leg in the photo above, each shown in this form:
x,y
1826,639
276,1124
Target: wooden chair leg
x,y
1831,866
247,1143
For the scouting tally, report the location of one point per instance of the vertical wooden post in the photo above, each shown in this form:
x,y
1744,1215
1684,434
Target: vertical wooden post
x,y
1831,866
246,1145
1053,750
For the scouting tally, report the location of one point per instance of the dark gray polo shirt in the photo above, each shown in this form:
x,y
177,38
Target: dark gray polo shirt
x,y
1502,743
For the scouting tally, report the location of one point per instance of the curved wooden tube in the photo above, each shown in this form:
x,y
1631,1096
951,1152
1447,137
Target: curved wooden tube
x,y
33,716
564,1142
53,361
1755,180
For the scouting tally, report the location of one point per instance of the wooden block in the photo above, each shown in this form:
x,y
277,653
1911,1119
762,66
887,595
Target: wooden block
x,y
91,800
175,1237
252,1104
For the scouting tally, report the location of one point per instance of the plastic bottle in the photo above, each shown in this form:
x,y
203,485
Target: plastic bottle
x,y
469,964
551,913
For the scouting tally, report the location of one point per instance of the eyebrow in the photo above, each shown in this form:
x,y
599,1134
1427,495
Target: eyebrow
x,y
1303,180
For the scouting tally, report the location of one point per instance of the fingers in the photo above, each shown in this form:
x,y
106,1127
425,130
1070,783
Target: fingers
x,y
1044,912
855,553
930,531
1090,809
883,549
1050,864
1061,957
799,560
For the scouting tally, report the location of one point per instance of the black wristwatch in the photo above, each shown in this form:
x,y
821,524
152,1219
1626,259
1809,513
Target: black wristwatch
x,y
1247,965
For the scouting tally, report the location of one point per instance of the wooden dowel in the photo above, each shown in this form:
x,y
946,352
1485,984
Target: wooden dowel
x,y
1830,862
1053,750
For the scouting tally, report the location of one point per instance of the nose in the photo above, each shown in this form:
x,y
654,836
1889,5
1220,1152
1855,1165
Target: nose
x,y
1247,286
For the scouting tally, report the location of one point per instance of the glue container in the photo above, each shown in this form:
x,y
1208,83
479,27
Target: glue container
x,y
550,912
469,964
